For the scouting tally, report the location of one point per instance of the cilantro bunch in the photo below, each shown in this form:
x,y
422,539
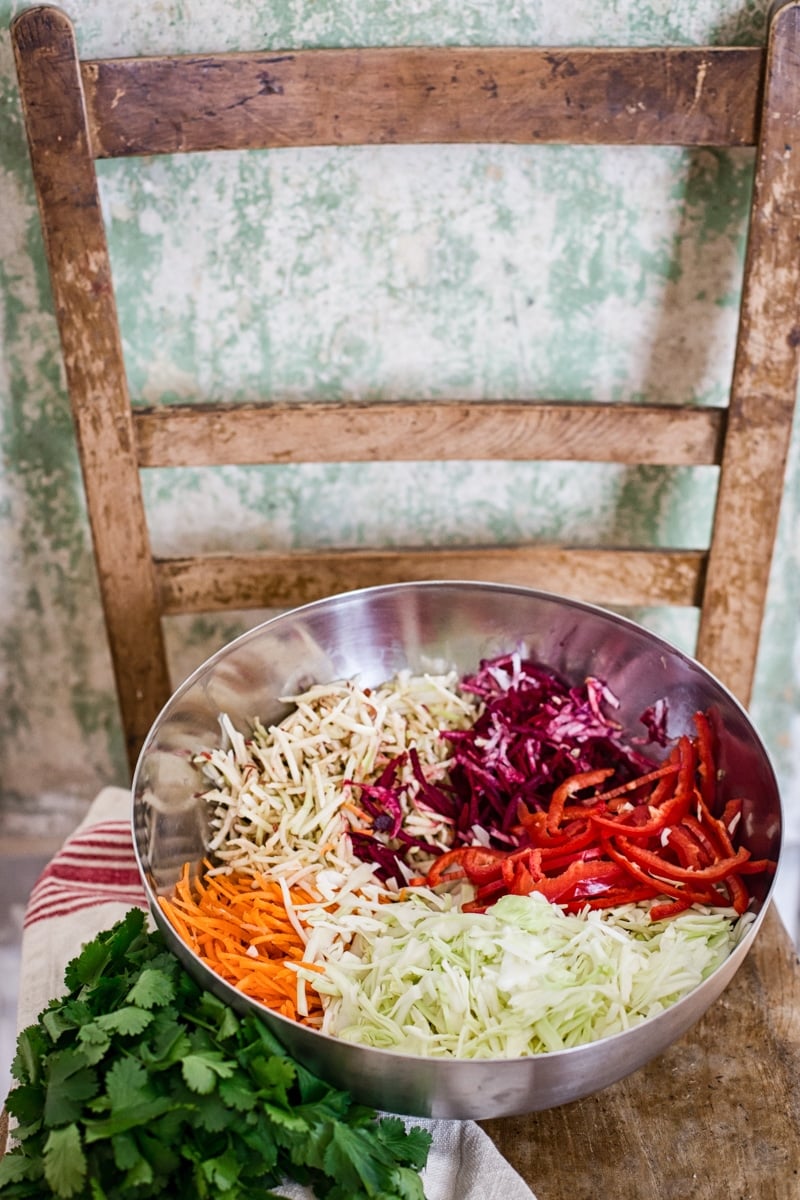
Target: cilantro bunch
x,y
139,1084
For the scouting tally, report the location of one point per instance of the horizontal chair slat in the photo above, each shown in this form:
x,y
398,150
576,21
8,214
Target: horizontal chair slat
x,y
690,96
424,431
281,580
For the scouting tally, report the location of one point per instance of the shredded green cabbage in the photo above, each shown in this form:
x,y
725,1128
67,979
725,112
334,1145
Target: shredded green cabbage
x,y
420,977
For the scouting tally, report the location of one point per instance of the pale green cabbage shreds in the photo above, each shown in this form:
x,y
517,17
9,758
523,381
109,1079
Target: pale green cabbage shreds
x,y
420,977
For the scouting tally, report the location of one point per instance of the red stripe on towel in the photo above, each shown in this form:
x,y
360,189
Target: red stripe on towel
x,y
95,867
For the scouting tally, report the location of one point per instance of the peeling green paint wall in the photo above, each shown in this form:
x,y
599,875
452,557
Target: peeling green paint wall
x,y
461,271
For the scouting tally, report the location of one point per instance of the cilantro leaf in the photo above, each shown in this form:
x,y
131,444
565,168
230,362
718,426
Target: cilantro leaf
x,y
406,1184
128,1020
222,1172
108,948
202,1069
153,989
64,1161
126,1084
355,1161
69,1082
274,1075
30,1053
140,1174
168,1042
16,1166
25,1103
412,1144
236,1093
125,1150
214,1115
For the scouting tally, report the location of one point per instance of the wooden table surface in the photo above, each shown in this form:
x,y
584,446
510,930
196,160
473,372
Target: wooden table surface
x,y
716,1117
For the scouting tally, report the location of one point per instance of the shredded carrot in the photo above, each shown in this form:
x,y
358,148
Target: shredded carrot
x,y
240,927
357,812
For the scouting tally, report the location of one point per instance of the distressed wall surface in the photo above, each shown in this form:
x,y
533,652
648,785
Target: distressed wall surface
x,y
463,271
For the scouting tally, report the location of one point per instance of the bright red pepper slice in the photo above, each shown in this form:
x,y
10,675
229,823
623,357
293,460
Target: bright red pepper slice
x,y
664,773
670,908
712,873
686,847
703,837
696,895
630,893
579,879
706,767
482,863
740,897
569,788
442,865
670,813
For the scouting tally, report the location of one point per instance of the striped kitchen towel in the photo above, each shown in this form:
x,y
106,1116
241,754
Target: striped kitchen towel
x,y
89,885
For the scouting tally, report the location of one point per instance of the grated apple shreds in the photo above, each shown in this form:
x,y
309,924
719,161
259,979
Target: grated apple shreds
x,y
281,799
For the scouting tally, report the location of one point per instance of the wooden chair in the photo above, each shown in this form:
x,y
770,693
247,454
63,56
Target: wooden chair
x,y
77,112
718,1115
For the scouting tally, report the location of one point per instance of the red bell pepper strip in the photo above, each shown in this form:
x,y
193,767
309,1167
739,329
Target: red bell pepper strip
x,y
579,879
738,893
704,838
661,867
569,788
720,829
671,812
686,847
670,908
706,766
449,865
757,866
482,863
664,773
696,895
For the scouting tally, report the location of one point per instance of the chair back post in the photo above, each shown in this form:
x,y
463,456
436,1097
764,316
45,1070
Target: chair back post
x,y
765,377
83,295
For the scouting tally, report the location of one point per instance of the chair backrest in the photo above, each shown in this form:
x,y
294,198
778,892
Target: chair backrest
x,y
79,111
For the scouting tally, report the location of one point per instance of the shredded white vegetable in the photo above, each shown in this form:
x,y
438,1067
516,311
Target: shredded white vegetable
x,y
420,977
280,800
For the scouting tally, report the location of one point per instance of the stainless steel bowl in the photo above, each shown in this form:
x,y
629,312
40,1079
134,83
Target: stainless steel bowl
x,y
373,634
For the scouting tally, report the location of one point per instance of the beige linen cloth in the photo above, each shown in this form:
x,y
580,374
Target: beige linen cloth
x,y
93,881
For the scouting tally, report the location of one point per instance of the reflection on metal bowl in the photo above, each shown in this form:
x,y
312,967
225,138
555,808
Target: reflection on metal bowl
x,y
373,634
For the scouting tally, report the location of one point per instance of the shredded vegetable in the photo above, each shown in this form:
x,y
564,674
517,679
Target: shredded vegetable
x,y
243,928
285,797
521,979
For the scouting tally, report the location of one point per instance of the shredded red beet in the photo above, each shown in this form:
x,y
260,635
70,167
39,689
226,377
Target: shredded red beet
x,y
534,732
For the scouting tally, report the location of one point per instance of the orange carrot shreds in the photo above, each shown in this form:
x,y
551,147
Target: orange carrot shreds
x,y
242,927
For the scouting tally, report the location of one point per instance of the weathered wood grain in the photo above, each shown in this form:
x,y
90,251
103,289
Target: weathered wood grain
x,y
614,577
672,96
77,255
716,1117
765,379
425,431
